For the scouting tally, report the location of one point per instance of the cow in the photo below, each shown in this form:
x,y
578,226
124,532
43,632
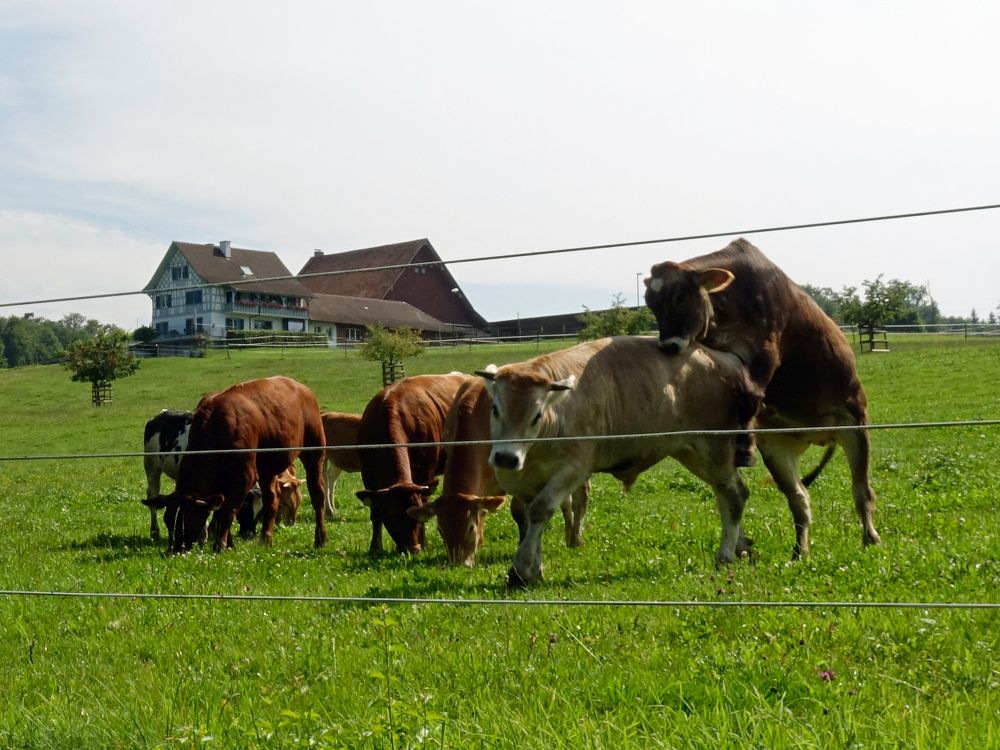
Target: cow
x,y
470,490
598,390
803,370
400,477
287,488
341,436
164,439
262,425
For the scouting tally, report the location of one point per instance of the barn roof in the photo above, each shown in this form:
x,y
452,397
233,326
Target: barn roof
x,y
336,308
371,284
212,265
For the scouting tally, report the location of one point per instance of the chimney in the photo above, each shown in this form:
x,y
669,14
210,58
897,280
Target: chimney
x,y
317,253
224,250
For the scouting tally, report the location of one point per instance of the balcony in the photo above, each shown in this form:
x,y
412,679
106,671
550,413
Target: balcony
x,y
270,309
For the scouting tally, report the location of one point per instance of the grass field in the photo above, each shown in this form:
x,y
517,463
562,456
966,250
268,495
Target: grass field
x,y
181,673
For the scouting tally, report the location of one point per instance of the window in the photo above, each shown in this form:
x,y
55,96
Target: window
x,y
162,329
352,334
235,324
263,325
162,300
247,271
179,272
193,297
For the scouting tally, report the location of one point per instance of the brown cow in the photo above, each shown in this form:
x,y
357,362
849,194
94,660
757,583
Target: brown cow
x,y
398,478
621,386
470,487
275,412
288,489
341,436
737,300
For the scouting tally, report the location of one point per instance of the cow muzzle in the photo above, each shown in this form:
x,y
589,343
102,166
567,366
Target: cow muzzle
x,y
507,459
673,345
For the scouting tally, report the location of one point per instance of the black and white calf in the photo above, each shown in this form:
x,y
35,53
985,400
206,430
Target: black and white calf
x,y
166,434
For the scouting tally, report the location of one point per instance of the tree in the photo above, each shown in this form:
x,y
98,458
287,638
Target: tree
x,y
389,346
618,321
144,334
100,361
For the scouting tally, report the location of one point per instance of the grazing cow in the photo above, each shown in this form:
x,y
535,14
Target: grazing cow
x,y
164,439
272,413
341,455
470,487
803,369
609,387
286,487
401,477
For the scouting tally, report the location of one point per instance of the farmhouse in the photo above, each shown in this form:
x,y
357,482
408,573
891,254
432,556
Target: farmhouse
x,y
212,289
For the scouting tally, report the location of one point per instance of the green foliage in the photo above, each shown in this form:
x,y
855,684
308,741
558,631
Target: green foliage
x,y
163,673
27,340
101,360
618,321
391,345
144,334
892,302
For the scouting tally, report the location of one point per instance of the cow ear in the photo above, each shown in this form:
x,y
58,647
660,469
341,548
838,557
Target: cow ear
x,y
487,372
714,280
158,502
428,489
563,385
365,496
210,503
422,513
490,504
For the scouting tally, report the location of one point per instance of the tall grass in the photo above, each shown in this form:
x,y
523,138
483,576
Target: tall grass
x,y
165,673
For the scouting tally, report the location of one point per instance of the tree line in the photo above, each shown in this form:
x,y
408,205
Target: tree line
x,y
27,340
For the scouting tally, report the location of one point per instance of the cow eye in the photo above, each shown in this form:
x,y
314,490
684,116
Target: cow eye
x,y
495,411
537,419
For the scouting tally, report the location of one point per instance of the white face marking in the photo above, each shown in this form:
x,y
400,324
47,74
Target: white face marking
x,y
655,285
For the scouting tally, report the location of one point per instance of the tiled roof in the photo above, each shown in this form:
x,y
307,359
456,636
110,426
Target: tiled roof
x,y
371,284
335,308
212,266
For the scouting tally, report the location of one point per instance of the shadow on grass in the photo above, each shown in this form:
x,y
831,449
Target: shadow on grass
x,y
105,547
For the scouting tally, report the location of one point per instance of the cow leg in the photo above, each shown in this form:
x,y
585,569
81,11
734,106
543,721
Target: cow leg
x,y
731,497
857,447
375,546
268,508
781,456
574,508
527,567
153,471
330,475
313,463
518,510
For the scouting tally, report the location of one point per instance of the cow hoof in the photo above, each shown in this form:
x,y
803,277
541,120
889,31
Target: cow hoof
x,y
514,580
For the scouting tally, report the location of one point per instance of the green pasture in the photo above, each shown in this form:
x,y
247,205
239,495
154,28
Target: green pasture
x,y
131,672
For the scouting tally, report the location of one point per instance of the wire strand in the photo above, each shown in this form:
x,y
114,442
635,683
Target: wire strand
x,y
565,438
528,253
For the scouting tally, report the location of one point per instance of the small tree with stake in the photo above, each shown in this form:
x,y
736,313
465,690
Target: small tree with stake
x,y
100,361
389,346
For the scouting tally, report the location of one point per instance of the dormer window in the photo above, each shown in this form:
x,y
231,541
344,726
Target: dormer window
x,y
247,271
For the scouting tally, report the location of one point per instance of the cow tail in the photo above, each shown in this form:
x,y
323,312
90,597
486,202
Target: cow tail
x,y
827,455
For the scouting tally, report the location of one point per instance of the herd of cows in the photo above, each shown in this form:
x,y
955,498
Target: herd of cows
x,y
740,347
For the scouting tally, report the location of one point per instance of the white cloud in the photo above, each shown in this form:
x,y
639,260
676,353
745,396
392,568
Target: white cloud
x,y
493,129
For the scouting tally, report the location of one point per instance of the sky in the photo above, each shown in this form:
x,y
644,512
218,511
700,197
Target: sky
x,y
493,128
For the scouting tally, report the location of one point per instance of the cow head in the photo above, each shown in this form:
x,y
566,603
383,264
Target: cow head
x,y
185,517
287,488
679,298
460,519
520,403
391,506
